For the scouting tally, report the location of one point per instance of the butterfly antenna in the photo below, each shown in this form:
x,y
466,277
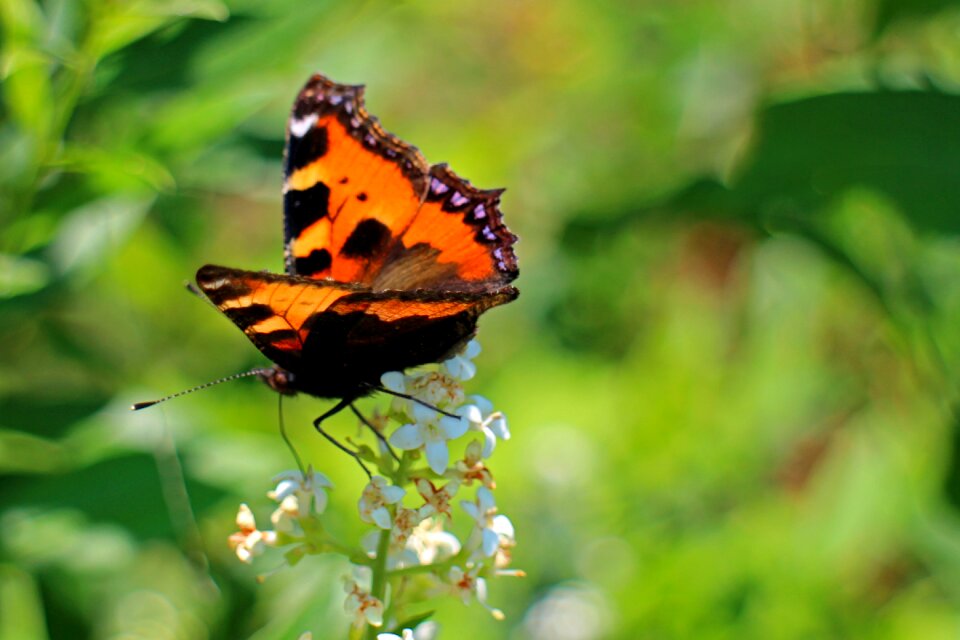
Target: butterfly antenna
x,y
236,376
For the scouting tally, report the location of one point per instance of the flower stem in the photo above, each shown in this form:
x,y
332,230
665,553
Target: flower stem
x,y
379,587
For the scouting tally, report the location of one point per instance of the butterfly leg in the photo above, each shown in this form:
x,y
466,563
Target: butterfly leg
x,y
340,406
406,396
375,431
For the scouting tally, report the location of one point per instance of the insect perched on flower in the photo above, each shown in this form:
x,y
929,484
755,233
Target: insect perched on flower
x,y
389,261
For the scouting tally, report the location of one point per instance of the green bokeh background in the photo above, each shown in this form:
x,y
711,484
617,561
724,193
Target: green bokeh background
x,y
731,375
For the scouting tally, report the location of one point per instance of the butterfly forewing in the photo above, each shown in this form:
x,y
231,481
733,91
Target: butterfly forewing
x,y
363,206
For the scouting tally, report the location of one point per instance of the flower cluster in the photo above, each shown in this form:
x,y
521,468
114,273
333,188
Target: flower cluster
x,y
410,549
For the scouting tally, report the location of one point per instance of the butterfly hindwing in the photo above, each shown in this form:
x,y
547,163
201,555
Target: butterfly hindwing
x,y
363,206
340,334
272,310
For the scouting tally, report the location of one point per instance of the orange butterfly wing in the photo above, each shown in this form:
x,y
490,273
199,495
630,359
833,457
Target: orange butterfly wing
x,y
363,206
337,337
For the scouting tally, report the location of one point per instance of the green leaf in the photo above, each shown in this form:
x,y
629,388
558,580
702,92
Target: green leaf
x,y
22,607
122,24
88,233
901,144
22,20
116,166
25,453
27,92
20,275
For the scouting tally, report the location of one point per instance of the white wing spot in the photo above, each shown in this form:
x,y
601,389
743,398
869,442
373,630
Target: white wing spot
x,y
300,126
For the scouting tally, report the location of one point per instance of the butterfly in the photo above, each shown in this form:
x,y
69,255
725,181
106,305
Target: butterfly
x,y
389,260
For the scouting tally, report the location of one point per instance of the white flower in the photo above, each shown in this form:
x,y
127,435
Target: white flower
x,y
285,518
506,541
374,500
436,389
431,435
471,468
436,501
249,541
467,585
403,525
424,631
431,543
429,387
308,488
481,417
364,608
461,366
483,510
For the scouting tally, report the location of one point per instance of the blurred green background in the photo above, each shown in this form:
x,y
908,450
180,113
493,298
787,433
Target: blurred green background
x,y
731,375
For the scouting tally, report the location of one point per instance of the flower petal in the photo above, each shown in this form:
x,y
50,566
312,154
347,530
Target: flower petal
x,y
374,613
409,436
319,500
486,407
472,350
489,442
438,456
472,413
394,381
471,509
393,494
424,415
245,519
491,542
485,500
503,526
381,518
454,427
499,427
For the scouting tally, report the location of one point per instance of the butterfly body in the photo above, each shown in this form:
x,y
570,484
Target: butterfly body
x,y
389,261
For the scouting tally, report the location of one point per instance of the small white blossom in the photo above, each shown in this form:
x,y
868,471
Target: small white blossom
x,y
483,511
467,585
436,501
431,543
432,437
285,518
309,489
481,417
403,524
364,608
471,467
461,366
424,631
506,541
249,541
374,500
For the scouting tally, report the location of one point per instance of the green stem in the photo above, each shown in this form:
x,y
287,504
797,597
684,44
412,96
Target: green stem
x,y
379,587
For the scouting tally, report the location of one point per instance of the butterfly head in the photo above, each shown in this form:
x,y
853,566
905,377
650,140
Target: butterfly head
x,y
278,379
